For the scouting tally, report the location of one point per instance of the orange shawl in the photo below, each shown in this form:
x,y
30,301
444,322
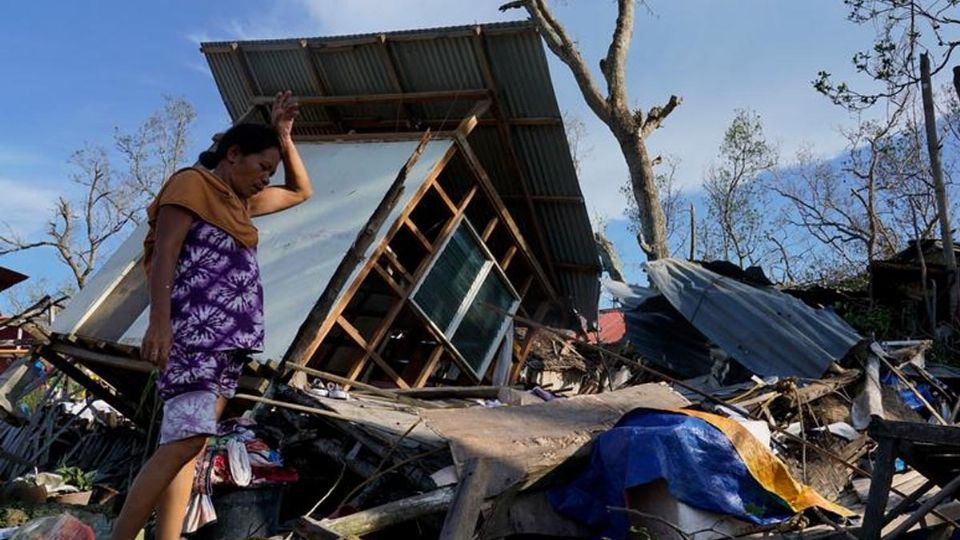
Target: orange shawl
x,y
210,199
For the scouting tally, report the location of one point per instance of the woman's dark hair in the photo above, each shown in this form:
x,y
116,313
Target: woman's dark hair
x,y
251,138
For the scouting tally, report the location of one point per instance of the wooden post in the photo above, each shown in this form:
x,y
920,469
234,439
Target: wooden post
x,y
693,232
879,489
925,508
933,148
377,518
462,516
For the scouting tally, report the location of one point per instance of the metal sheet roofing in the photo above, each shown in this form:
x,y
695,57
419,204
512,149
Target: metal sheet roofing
x,y
299,249
767,331
440,59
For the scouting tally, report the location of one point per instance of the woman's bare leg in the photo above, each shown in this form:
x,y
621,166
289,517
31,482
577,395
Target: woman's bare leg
x,y
157,473
172,506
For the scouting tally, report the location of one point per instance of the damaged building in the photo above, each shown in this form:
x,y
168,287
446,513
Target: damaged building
x,y
421,255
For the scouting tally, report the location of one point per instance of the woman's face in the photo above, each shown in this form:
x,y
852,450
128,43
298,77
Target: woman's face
x,y
250,174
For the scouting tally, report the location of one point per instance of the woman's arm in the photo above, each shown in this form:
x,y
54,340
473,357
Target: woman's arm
x,y
173,223
296,187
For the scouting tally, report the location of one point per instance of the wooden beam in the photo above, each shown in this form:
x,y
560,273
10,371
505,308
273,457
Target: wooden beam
x,y
461,519
580,268
108,360
390,65
488,229
370,353
373,137
382,392
430,367
319,78
412,227
472,118
248,79
505,262
372,124
96,387
559,199
392,257
503,128
392,283
404,97
442,193
374,519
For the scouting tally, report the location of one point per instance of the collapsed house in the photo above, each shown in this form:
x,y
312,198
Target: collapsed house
x,y
447,233
420,256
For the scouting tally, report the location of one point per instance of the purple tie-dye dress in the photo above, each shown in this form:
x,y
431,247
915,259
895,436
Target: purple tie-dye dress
x,y
216,311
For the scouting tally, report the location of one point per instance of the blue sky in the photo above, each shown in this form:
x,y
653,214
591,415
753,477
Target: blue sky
x,y
74,71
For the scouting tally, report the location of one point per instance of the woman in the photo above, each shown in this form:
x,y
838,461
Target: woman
x,y
206,300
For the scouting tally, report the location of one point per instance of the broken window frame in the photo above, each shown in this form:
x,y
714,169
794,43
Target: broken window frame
x,y
490,265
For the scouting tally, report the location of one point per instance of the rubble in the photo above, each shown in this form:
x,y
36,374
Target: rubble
x,y
429,373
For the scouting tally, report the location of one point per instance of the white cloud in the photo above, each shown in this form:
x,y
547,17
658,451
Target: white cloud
x,y
24,206
354,16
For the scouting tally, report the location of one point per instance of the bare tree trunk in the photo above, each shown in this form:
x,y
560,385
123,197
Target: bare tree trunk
x,y
631,128
653,229
933,147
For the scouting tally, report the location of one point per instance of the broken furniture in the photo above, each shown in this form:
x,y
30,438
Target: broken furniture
x,y
931,450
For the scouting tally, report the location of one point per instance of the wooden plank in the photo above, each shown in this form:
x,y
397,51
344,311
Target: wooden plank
x,y
488,229
908,502
96,387
373,137
412,227
446,198
377,518
924,509
392,283
402,97
319,78
369,353
120,362
914,432
392,257
461,519
579,268
472,119
559,199
390,65
430,367
459,392
505,262
879,489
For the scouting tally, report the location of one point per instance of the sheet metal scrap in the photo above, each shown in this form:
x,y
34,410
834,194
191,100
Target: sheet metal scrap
x,y
767,331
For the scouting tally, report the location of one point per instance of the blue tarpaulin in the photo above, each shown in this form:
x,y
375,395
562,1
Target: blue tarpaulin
x,y
698,462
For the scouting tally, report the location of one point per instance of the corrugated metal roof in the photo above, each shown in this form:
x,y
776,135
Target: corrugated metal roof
x,y
659,333
440,59
765,330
